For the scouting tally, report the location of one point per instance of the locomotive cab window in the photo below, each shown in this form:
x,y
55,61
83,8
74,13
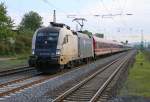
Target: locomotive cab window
x,y
51,36
65,39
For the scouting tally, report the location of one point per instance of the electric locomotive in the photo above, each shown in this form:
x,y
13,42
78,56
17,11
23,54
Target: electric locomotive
x,y
57,46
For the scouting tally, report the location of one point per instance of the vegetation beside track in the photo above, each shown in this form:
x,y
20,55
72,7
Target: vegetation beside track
x,y
13,62
138,82
15,40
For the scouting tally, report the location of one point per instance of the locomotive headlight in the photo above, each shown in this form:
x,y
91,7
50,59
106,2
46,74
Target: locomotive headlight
x,y
58,52
33,52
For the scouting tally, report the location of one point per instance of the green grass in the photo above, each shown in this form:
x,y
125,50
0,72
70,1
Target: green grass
x,y
138,82
17,61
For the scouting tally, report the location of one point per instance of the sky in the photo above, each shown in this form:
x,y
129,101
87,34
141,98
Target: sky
x,y
120,27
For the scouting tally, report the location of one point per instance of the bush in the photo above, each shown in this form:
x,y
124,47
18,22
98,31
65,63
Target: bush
x,y
23,44
147,54
6,48
2,48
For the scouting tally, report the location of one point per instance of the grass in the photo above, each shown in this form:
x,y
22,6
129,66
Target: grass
x,y
138,82
16,61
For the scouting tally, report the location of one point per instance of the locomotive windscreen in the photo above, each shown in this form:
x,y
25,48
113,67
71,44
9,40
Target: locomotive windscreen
x,y
50,36
46,42
46,39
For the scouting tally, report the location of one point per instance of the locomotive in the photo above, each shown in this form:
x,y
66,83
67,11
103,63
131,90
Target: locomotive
x,y
58,46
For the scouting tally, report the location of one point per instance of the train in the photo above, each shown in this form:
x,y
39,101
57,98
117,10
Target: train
x,y
59,47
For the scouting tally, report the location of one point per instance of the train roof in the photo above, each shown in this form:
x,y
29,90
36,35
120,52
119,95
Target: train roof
x,y
49,29
53,27
82,35
61,25
106,41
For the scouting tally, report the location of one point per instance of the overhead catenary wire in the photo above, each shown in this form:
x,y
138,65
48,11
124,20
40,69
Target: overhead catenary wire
x,y
109,14
122,9
54,7
121,13
59,9
112,15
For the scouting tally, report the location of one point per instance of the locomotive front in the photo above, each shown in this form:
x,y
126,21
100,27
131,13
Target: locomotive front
x,y
44,47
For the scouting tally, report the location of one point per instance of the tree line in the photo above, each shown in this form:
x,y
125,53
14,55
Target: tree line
x,y
15,40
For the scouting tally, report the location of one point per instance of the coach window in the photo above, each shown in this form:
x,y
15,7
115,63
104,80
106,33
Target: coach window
x,y
106,45
103,45
100,45
65,40
97,45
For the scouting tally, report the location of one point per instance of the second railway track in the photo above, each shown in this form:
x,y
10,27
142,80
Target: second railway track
x,y
92,87
15,86
16,70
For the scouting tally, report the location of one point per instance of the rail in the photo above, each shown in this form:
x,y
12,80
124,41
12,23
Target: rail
x,y
80,85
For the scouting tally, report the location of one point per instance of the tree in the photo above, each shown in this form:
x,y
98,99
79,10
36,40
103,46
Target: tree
x,y
87,32
6,23
7,36
100,35
126,42
31,21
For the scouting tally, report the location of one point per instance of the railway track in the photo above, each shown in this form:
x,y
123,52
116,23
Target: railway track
x,y
91,88
16,70
9,88
17,85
